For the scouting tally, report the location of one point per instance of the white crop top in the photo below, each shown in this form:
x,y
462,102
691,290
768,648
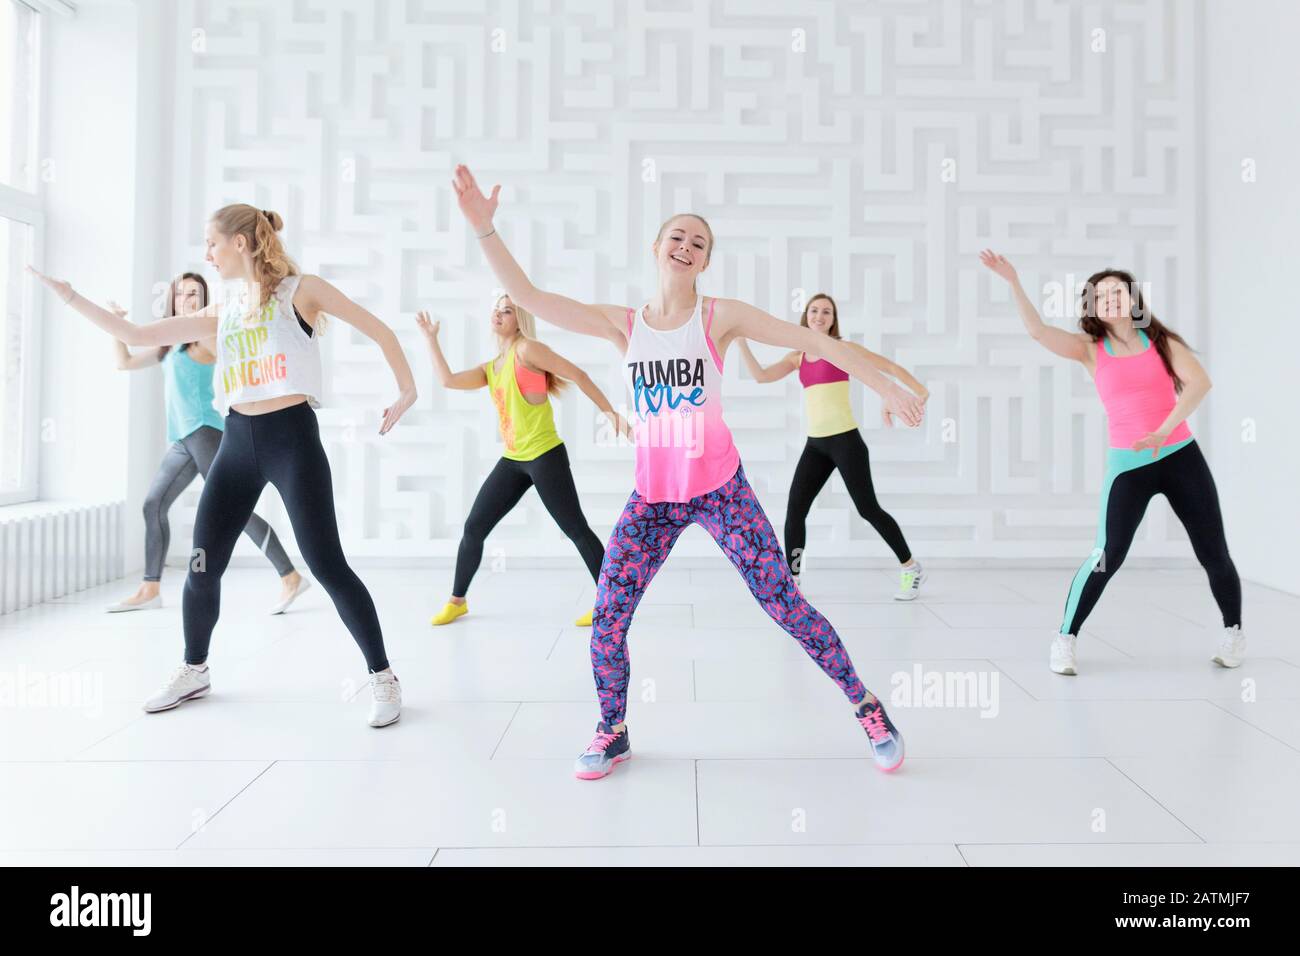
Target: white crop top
x,y
266,355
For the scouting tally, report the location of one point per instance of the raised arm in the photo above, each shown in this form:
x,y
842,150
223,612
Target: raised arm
x,y
1071,345
739,319
767,373
315,295
469,379
1196,385
541,357
173,331
603,321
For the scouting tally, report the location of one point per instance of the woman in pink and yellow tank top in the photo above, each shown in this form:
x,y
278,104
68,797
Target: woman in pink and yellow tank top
x,y
688,470
1149,383
834,442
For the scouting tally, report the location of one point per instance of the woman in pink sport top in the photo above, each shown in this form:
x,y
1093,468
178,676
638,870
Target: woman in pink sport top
x,y
687,467
1149,382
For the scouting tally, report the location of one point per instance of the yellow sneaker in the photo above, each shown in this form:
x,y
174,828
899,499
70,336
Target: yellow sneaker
x,y
585,620
449,613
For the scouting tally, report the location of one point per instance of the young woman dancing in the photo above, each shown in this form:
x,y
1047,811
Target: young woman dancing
x,y
194,429
267,381
1149,382
687,468
520,379
835,442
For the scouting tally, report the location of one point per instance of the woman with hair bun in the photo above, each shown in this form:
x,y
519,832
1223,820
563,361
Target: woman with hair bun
x,y
267,382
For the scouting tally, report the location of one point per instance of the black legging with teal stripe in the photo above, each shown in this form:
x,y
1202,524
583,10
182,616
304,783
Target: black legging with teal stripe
x,y
1133,478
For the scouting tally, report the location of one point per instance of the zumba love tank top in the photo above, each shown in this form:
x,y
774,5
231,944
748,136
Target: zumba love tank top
x,y
684,448
267,354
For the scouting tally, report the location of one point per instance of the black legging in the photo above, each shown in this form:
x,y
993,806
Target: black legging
x,y
507,483
283,448
1184,478
821,456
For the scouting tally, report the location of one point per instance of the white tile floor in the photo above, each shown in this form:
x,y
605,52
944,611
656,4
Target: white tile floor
x,y
745,753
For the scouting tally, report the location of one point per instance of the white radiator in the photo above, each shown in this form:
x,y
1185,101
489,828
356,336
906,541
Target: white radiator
x,y
48,550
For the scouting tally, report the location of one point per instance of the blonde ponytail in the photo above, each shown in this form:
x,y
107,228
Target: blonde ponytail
x,y
260,229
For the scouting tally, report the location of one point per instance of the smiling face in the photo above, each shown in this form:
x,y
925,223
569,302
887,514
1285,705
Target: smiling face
x,y
227,254
683,247
820,315
1113,300
505,322
187,296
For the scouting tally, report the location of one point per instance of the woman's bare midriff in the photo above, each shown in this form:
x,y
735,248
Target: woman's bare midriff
x,y
268,405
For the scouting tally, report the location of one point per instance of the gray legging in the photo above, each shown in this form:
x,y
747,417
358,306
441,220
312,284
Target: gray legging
x,y
191,456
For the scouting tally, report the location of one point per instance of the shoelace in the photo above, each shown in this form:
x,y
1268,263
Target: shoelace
x,y
181,672
873,721
601,742
383,688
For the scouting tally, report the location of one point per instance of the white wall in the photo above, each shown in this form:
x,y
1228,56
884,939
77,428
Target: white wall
x,y
814,138
1251,255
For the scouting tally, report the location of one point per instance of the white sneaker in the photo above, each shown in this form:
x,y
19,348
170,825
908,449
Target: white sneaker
x,y
120,606
385,699
1063,654
187,683
909,582
303,585
1232,648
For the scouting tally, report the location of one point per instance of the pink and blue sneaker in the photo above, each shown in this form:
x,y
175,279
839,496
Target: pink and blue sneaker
x,y
886,741
606,750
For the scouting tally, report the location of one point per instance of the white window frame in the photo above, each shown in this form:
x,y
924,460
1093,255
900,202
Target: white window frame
x,y
28,208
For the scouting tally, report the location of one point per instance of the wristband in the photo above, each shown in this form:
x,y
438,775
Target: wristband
x,y
486,234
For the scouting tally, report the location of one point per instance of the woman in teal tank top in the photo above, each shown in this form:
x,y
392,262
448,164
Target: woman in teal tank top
x,y
194,428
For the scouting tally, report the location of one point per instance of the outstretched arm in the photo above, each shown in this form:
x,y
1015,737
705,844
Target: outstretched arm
x,y
126,360
1071,345
543,358
471,378
767,373
173,331
894,370
315,295
602,321
735,318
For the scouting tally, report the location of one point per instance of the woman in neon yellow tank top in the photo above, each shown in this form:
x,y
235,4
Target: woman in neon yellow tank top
x,y
834,442
520,379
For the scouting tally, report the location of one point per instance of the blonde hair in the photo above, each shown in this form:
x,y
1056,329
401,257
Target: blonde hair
x,y
528,330
260,228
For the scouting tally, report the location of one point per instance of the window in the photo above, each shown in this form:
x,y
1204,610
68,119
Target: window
x,y
21,223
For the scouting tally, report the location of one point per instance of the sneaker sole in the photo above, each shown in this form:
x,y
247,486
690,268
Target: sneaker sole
x,y
387,723
139,607
592,775
1065,671
194,695
1226,663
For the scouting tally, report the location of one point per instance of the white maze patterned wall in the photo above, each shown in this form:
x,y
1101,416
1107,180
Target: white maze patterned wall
x,y
865,149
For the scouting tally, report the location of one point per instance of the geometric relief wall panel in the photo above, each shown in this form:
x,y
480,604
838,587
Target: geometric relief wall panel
x,y
869,150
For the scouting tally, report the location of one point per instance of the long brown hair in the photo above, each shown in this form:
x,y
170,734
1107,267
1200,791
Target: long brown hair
x,y
528,330
169,309
260,228
1159,334
835,313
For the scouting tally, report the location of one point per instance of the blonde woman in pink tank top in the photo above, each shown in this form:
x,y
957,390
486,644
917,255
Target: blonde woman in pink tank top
x,y
1149,383
688,470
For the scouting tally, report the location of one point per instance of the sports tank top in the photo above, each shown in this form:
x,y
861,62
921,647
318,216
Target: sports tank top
x,y
684,448
825,397
268,354
1138,394
527,430
187,385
